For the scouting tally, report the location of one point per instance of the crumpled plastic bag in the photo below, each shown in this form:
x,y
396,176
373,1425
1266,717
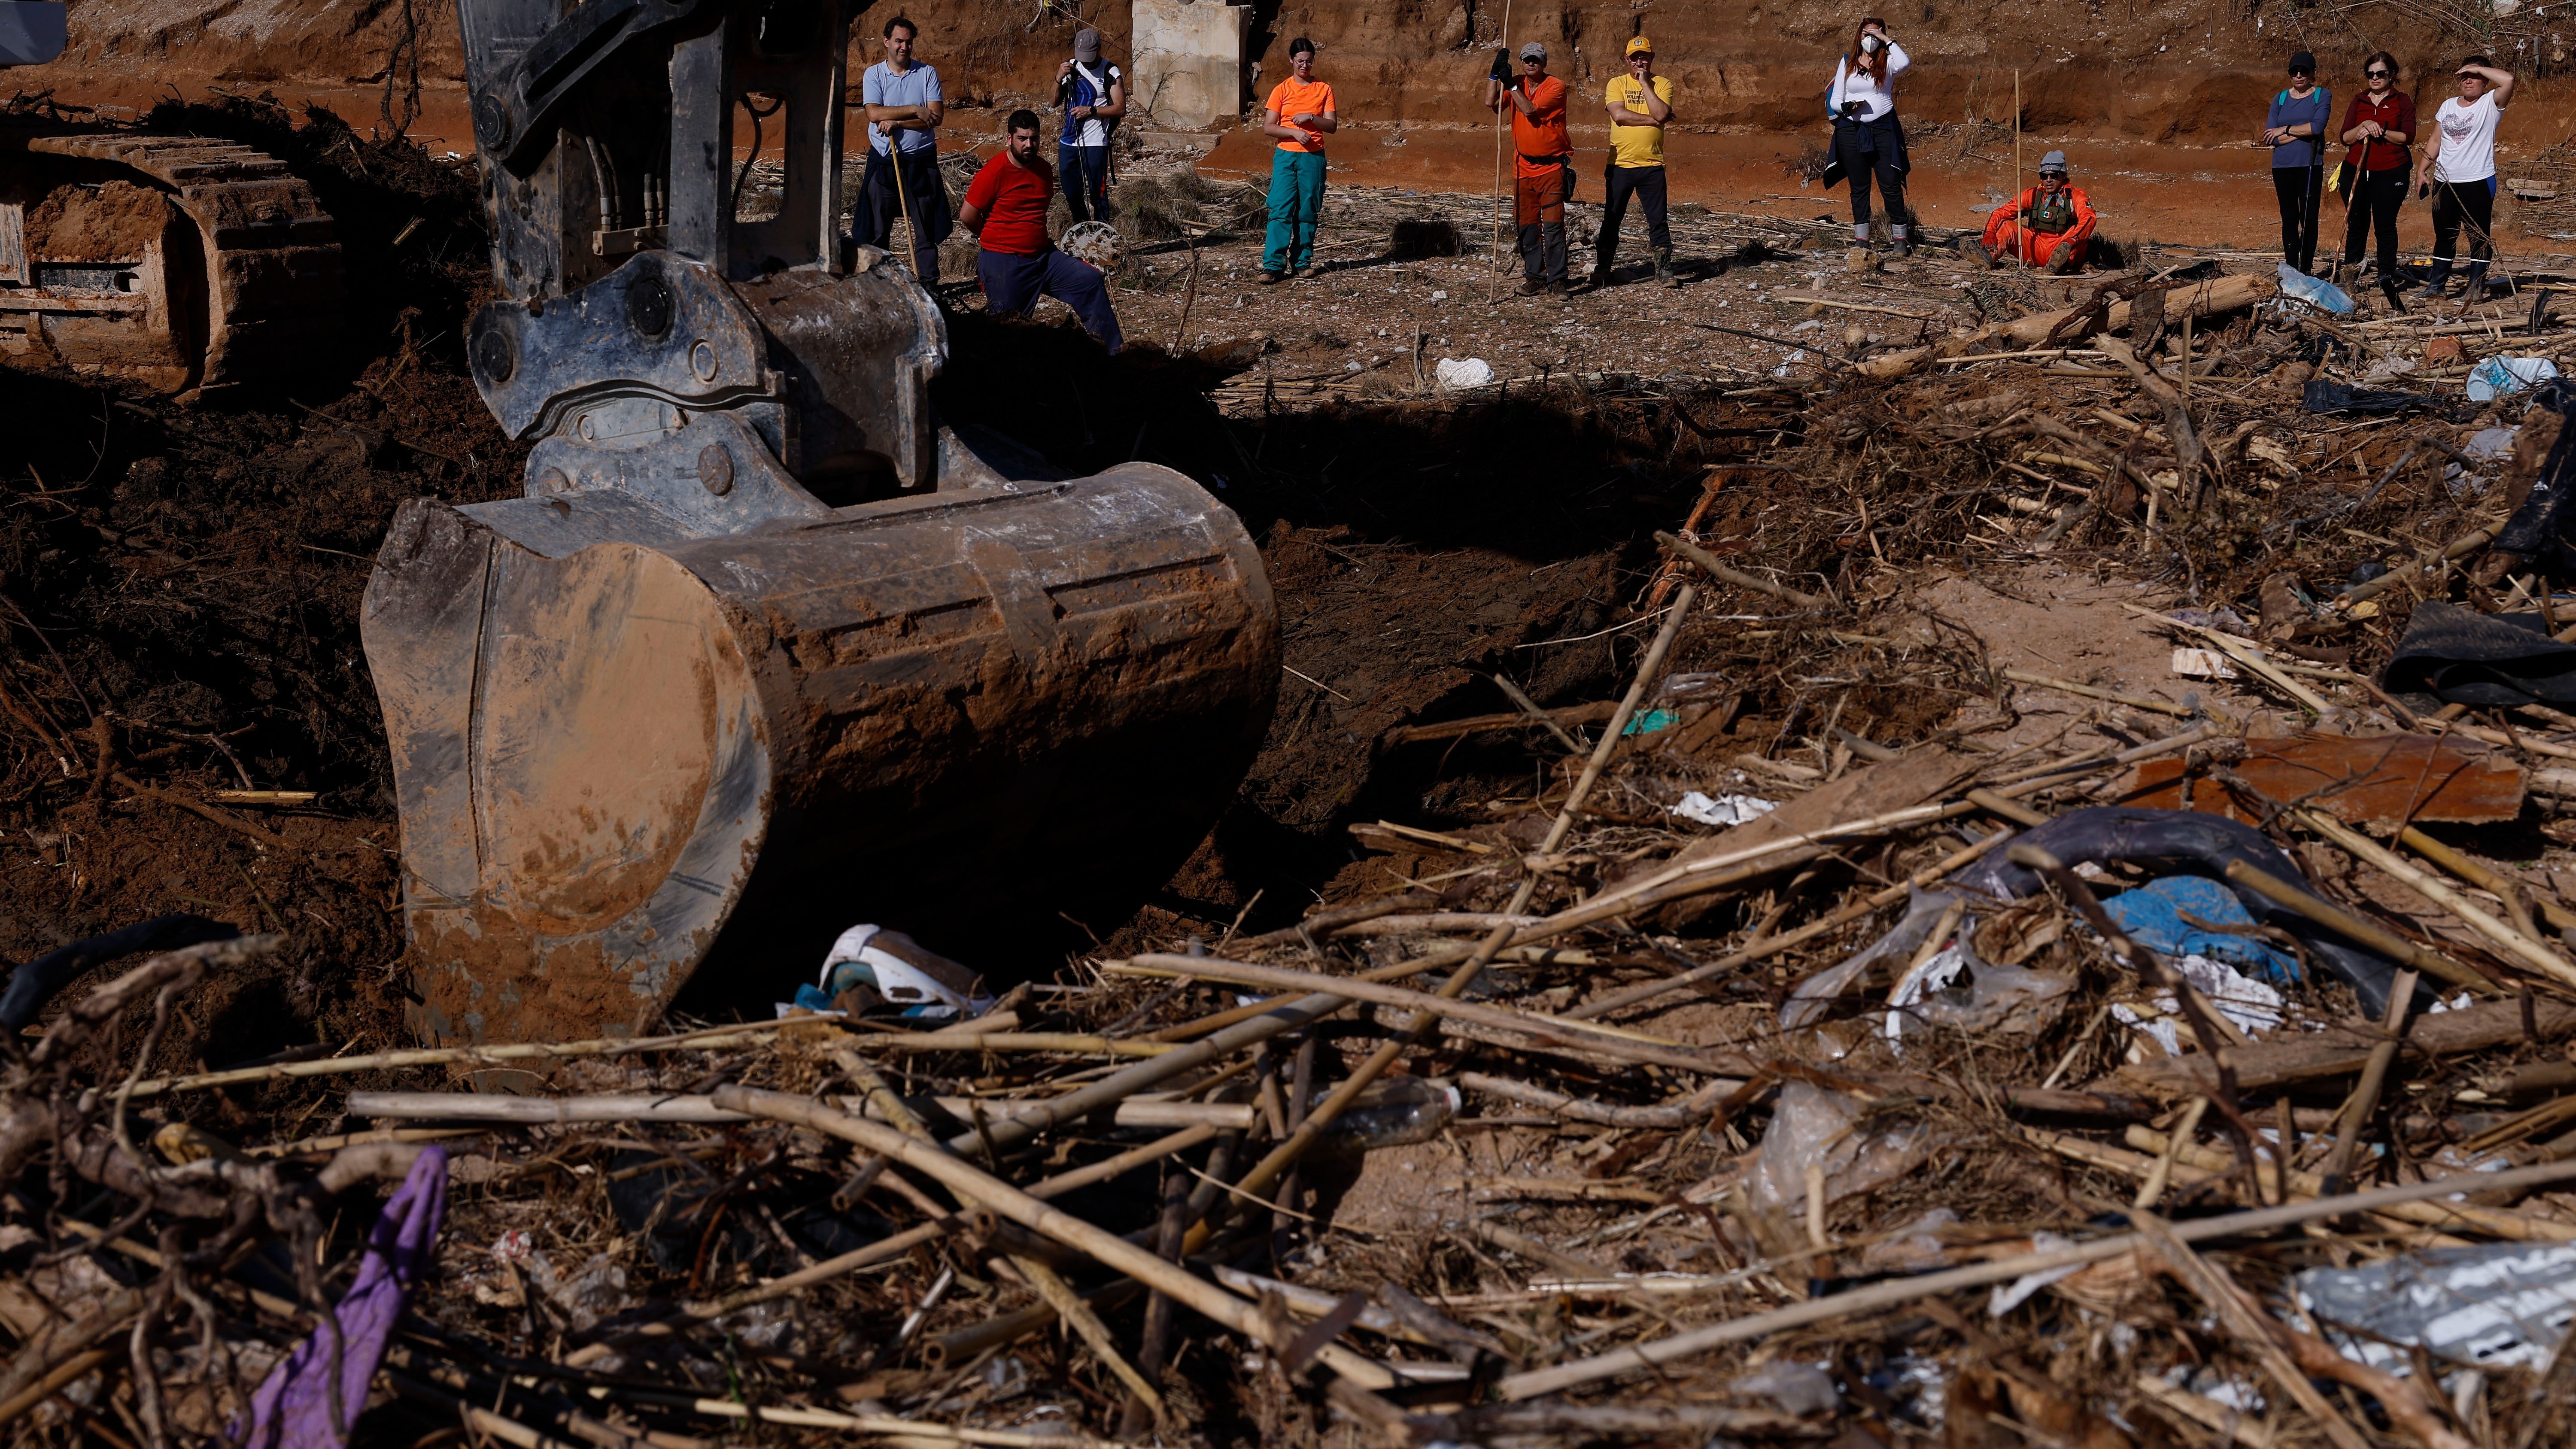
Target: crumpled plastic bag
x,y
2316,291
2254,1007
593,1292
2504,376
1807,1004
2153,915
1993,998
1916,1247
1812,1125
294,1406
1792,1387
1723,810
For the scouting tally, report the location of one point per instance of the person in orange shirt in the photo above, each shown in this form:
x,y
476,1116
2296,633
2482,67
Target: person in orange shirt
x,y
2049,225
1300,114
1542,165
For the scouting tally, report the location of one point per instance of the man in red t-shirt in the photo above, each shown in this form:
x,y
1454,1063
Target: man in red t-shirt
x,y
1542,169
1006,208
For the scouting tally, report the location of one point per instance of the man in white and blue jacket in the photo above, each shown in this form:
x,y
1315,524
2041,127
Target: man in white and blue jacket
x,y
1090,96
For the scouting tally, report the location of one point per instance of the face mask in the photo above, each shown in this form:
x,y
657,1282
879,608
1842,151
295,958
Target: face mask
x,y
1869,44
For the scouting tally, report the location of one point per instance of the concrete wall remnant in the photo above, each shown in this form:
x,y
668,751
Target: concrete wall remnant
x,y
1189,60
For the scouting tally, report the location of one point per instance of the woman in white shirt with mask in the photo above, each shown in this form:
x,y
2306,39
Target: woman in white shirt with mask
x,y
1868,141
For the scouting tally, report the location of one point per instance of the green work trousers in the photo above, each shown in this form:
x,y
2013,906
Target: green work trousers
x,y
1296,200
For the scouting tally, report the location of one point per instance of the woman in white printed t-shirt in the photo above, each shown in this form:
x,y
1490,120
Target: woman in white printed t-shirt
x,y
1868,141
2459,173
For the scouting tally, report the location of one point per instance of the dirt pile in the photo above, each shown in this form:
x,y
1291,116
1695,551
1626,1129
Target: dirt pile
x,y
114,223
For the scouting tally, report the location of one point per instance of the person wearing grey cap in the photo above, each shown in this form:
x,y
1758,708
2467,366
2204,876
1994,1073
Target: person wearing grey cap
x,y
1090,96
2294,128
1542,165
2050,225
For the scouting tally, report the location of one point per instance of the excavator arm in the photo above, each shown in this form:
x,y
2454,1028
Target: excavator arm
x,y
762,651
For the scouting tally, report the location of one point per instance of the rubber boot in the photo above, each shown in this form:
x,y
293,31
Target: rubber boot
x,y
1664,267
2396,299
2474,288
1904,241
2438,284
1600,271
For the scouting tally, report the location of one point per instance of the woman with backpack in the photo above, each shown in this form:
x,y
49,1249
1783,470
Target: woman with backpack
x,y
2295,128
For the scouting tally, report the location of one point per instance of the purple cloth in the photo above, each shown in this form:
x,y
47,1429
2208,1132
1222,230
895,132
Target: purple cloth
x,y
293,1409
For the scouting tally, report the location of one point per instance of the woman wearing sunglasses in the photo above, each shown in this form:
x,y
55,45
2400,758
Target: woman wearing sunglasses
x,y
2296,129
2377,128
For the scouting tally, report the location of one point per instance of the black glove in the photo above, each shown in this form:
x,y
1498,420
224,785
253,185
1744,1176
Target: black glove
x,y
1502,71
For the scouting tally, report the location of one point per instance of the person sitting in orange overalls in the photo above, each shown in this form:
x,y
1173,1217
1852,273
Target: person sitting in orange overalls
x,y
2049,225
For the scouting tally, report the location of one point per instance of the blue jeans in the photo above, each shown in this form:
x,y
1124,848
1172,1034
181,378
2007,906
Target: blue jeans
x,y
1083,173
1012,283
1296,203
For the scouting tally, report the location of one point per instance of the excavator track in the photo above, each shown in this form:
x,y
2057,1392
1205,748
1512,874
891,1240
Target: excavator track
x,y
270,289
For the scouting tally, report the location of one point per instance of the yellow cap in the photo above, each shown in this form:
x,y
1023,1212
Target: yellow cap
x,y
1641,46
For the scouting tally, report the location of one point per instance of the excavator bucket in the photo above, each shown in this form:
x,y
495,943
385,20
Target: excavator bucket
x,y
763,651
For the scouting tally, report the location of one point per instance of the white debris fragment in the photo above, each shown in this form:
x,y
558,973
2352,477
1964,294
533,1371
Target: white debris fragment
x,y
1723,810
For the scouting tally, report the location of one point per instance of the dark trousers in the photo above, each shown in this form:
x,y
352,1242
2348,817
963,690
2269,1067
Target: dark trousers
x,y
2457,201
923,197
2300,191
1646,183
1083,172
2376,196
1013,283
1873,149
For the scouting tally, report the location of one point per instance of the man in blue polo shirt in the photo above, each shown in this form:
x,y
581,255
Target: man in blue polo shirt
x,y
902,180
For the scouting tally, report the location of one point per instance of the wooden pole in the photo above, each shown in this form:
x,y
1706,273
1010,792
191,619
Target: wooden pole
x,y
911,241
2018,220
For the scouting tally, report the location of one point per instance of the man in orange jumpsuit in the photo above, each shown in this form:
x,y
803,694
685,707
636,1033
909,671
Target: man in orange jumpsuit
x,y
2049,225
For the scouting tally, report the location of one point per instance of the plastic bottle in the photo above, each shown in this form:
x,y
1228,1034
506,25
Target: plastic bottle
x,y
1391,1114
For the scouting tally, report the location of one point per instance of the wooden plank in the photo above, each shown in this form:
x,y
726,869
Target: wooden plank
x,y
13,242
2381,780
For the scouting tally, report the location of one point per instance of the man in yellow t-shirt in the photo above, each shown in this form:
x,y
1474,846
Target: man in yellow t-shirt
x,y
1300,115
1640,105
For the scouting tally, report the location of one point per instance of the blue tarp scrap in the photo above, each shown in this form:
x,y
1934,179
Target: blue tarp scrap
x,y
2153,917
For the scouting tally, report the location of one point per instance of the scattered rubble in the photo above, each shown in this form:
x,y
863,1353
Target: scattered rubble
x,y
2001,881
